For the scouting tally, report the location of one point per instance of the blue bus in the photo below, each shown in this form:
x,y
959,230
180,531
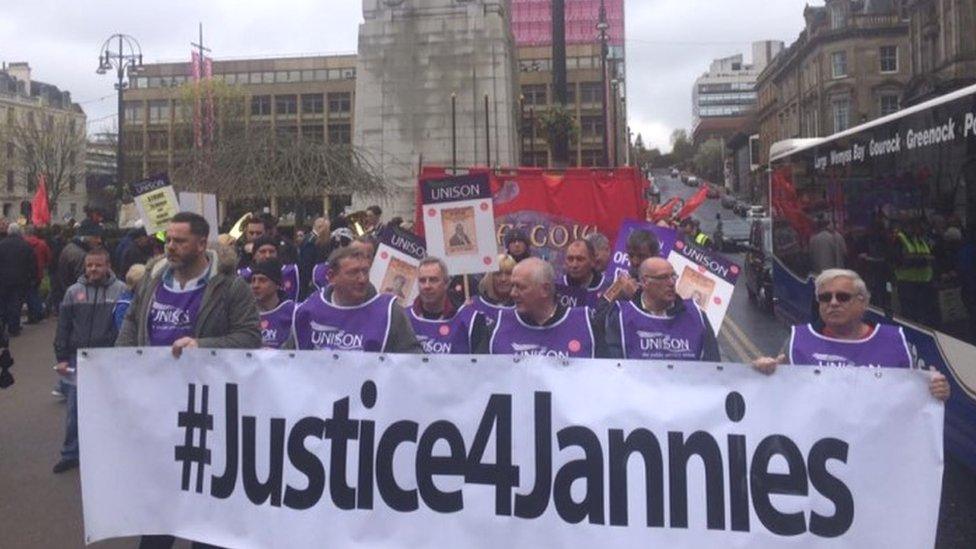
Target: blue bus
x,y
901,193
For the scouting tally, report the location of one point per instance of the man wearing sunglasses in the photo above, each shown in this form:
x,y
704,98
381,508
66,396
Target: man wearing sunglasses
x,y
846,339
657,324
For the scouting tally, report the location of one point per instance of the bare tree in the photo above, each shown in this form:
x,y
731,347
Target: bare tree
x,y
234,160
54,148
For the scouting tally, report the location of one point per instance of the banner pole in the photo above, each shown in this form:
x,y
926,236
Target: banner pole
x,y
467,289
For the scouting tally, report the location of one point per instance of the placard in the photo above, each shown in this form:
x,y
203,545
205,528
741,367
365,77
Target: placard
x,y
459,223
395,265
156,201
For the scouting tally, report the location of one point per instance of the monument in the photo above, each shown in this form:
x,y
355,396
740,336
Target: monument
x,y
414,57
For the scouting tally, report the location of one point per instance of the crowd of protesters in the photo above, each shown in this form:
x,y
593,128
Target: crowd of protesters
x,y
310,290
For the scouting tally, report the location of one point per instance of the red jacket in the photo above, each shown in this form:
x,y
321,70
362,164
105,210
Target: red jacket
x,y
42,252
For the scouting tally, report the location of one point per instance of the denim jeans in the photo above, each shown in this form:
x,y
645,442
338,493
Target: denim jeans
x,y
69,450
35,305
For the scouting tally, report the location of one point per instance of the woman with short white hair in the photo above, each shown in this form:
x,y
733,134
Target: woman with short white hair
x,y
846,338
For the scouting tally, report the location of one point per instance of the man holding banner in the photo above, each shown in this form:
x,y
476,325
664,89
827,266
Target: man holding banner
x,y
657,324
345,317
440,325
192,299
539,325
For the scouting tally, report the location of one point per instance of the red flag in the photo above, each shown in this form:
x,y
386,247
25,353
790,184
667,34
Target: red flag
x,y
692,204
664,211
40,212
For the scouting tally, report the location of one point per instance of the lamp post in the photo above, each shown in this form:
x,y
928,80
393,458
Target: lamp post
x,y
126,57
614,85
602,27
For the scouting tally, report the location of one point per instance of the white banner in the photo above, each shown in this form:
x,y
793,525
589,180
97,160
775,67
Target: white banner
x,y
277,449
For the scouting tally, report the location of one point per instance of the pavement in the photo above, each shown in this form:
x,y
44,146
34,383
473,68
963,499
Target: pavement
x,y
38,508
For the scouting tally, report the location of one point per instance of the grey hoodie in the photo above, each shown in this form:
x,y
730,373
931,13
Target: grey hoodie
x,y
86,318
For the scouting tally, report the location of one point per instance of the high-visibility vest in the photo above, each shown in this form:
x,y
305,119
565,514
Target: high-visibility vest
x,y
914,246
702,239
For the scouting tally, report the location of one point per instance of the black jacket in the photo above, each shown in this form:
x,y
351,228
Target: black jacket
x,y
18,267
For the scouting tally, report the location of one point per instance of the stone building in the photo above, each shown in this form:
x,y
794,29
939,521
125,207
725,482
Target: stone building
x,y
308,96
943,47
723,97
41,129
849,65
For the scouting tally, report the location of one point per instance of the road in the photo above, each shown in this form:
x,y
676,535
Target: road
x,y
747,331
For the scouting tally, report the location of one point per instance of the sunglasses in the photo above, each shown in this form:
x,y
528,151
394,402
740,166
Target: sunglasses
x,y
841,297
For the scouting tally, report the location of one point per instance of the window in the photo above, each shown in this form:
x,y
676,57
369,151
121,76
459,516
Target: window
x,y
313,132
340,102
158,112
72,183
340,134
592,157
838,17
591,92
888,57
888,103
258,78
312,103
591,126
260,105
841,109
7,207
10,149
10,181
535,94
158,141
286,104
134,112
838,64
73,209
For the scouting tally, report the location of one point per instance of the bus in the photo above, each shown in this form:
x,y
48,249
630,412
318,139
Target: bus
x,y
902,183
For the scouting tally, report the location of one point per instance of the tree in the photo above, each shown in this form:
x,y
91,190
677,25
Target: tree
x,y
708,160
54,148
234,160
682,149
555,123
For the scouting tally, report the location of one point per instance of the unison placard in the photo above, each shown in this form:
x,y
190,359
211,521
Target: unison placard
x,y
278,449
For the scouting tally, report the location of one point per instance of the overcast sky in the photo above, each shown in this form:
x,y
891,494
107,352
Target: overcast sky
x,y
669,42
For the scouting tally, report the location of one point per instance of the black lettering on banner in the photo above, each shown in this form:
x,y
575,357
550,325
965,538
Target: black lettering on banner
x,y
764,483
644,443
502,474
223,486
429,466
750,482
340,430
259,492
588,469
307,464
831,488
396,497
534,504
680,451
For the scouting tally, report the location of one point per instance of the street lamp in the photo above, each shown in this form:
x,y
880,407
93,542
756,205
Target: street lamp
x,y
124,59
614,85
602,27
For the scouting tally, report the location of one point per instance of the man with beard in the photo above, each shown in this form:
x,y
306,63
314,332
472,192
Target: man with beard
x,y
191,299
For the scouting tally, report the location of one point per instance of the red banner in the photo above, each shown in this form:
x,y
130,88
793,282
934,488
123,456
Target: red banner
x,y
556,208
40,212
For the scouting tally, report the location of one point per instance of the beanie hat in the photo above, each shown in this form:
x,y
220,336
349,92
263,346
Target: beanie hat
x,y
517,235
264,241
270,268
